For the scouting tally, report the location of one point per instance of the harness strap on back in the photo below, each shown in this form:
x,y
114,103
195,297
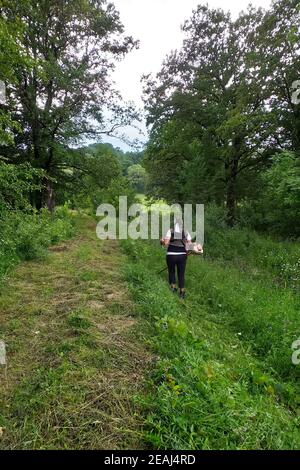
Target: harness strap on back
x,y
183,239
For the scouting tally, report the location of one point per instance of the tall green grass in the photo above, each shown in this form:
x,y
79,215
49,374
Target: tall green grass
x,y
26,236
223,378
259,255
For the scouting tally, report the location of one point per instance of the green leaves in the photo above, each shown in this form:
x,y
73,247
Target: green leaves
x,y
17,182
221,106
57,63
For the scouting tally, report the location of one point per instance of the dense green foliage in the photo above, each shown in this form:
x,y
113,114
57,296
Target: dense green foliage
x,y
62,91
96,174
26,236
276,204
223,116
17,183
138,177
25,233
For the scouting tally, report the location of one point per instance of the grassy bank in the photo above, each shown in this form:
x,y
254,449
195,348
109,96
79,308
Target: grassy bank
x,y
26,236
223,377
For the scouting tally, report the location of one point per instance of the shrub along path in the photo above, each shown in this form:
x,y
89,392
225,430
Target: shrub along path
x,y
76,358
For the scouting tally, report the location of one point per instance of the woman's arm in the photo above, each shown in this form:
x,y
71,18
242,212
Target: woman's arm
x,y
166,240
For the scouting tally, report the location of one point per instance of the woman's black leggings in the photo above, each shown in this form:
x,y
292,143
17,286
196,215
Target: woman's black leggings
x,y
180,262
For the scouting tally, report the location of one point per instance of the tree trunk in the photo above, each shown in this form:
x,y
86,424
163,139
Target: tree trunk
x,y
297,131
231,198
48,196
231,204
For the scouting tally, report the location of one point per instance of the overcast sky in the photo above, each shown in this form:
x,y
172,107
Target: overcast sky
x,y
156,23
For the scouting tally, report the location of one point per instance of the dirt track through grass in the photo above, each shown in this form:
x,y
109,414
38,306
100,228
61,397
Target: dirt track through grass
x,y
75,355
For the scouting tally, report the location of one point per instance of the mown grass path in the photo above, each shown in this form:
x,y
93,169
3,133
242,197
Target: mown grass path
x,y
76,358
80,345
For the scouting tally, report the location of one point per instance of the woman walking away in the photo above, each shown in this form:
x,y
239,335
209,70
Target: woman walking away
x,y
176,240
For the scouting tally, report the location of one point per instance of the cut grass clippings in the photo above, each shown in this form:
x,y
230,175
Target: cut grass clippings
x,y
75,357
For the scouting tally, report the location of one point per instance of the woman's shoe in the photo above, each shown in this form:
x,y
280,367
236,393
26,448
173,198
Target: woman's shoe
x,y
182,295
174,290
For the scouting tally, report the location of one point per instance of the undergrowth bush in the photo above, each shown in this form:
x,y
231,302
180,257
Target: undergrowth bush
x,y
26,235
259,255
